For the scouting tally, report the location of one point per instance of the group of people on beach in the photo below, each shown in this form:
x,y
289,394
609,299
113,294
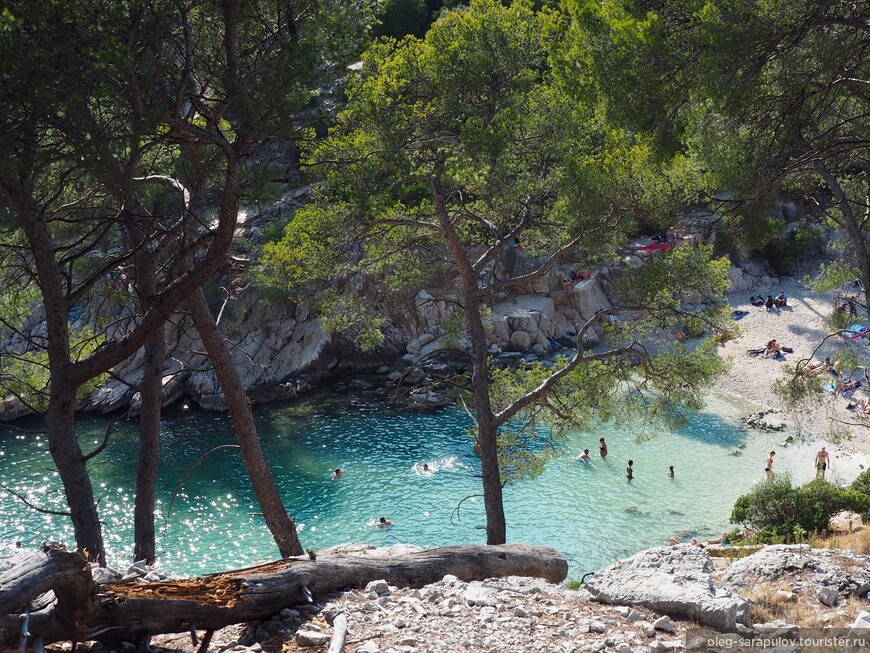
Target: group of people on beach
x,y
771,303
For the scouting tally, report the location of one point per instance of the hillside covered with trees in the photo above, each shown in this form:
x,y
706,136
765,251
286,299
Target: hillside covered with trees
x,y
396,147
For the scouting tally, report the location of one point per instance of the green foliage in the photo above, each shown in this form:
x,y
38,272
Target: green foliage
x,y
449,147
778,508
27,376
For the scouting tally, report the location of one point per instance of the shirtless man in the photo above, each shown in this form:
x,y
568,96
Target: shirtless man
x,y
822,459
769,468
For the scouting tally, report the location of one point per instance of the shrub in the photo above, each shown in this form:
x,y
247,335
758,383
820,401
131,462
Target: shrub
x,y
780,510
769,505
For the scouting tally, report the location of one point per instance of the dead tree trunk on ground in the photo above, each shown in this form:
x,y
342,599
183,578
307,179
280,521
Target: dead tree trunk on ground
x,y
117,611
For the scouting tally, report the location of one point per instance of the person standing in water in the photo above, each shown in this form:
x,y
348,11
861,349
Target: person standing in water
x,y
629,472
769,468
602,448
671,471
822,460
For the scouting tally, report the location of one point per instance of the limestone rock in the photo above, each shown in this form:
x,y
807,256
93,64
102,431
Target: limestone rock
x,y
828,596
664,623
672,580
521,341
842,571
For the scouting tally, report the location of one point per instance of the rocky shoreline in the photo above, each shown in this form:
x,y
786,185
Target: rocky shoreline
x,y
643,604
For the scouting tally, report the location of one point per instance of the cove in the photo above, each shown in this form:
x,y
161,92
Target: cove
x,y
587,511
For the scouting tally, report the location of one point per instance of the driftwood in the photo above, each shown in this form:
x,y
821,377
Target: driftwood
x,y
77,609
339,626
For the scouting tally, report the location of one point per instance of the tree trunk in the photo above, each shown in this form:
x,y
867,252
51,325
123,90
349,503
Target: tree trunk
x,y
280,524
854,227
60,414
126,611
487,428
144,547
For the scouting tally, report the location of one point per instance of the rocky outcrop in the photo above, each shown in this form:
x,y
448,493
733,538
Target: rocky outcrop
x,y
830,575
677,581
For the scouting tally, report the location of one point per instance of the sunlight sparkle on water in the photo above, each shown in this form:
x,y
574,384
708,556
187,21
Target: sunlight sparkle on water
x,y
589,512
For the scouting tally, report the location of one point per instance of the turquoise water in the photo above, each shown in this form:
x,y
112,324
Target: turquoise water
x,y
587,511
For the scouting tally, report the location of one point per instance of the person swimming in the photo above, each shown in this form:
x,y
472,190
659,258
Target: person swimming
x,y
383,522
337,473
584,457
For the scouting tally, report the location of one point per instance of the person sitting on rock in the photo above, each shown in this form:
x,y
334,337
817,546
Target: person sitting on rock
x,y
769,303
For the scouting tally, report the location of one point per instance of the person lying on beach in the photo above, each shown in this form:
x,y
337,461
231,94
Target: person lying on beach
x,y
846,386
756,301
816,366
772,350
863,405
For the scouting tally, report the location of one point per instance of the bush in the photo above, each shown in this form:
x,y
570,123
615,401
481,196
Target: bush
x,y
779,509
769,505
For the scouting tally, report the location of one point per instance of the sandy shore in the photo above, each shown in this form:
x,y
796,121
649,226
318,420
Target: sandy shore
x,y
800,326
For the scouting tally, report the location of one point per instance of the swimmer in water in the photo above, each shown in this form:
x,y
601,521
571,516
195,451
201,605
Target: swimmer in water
x,y
337,473
383,522
584,457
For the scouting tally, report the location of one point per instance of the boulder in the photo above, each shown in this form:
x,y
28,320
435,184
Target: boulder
x,y
672,580
521,341
428,399
842,572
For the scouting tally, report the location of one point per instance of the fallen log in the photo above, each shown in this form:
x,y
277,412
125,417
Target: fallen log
x,y
129,612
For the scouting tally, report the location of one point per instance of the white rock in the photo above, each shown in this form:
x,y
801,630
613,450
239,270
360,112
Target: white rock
x,y
862,621
378,587
311,638
664,623
521,340
623,647
636,615
369,646
646,628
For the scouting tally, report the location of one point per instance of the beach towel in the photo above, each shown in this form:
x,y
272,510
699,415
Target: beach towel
x,y
652,247
857,331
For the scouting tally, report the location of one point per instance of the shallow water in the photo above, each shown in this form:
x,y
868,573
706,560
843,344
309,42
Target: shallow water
x,y
586,510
